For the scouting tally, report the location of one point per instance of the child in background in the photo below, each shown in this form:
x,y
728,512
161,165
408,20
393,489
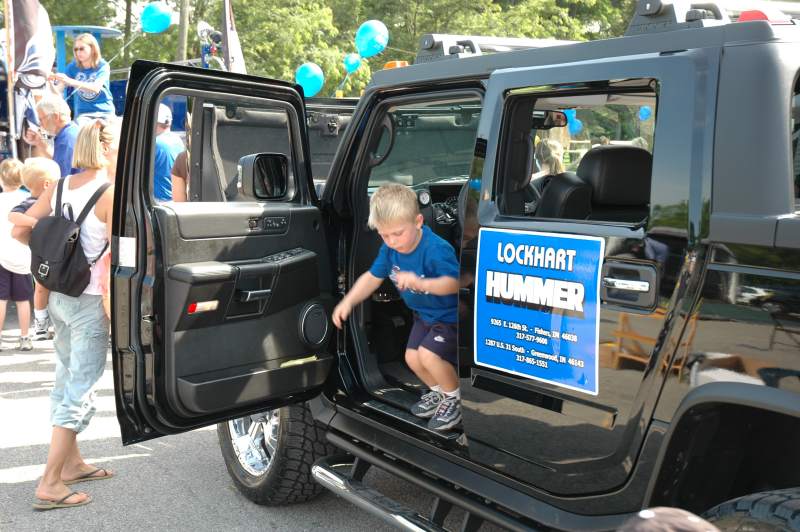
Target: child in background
x,y
38,174
424,268
16,283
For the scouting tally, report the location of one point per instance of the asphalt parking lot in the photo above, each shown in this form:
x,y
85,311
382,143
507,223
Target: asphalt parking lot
x,y
173,483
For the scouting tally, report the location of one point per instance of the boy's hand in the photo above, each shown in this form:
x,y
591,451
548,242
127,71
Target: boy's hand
x,y
408,281
341,313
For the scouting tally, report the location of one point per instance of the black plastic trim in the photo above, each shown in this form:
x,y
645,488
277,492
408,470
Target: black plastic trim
x,y
731,393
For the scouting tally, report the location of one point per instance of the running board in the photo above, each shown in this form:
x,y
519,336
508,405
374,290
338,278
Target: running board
x,y
450,436
333,475
344,477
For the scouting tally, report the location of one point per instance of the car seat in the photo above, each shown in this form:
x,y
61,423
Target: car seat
x,y
620,182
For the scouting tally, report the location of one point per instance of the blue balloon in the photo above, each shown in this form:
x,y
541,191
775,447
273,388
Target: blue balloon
x,y
570,113
352,62
575,126
310,77
371,38
645,112
156,17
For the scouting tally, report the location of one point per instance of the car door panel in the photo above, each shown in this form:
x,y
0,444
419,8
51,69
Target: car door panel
x,y
551,437
209,376
228,301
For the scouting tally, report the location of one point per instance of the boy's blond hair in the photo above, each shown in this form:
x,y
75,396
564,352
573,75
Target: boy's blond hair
x,y
39,169
10,170
392,203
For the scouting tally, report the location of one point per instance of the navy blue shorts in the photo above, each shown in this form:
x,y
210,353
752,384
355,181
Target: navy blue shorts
x,y
15,286
440,338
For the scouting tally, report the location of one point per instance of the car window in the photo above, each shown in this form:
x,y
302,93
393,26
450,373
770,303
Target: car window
x,y
596,167
795,121
425,141
200,141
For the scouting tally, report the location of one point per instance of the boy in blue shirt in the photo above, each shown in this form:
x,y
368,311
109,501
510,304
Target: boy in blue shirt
x,y
424,268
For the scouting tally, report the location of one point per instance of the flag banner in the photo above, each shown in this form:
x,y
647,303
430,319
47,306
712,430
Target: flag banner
x,y
231,47
34,52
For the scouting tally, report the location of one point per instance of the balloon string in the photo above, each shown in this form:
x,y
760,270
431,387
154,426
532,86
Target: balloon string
x,y
124,46
341,85
400,50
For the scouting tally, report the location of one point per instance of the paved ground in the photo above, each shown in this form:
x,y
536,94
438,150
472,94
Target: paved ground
x,y
173,483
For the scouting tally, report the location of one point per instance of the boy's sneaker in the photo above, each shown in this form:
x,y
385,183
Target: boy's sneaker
x,y
427,404
41,329
447,415
25,344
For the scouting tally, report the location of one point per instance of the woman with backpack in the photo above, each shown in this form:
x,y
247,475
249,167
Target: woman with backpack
x,y
84,200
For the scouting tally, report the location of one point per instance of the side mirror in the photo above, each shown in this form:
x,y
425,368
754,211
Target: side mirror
x,y
264,176
548,119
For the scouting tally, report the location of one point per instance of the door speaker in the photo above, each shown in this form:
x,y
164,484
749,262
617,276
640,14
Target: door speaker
x,y
313,324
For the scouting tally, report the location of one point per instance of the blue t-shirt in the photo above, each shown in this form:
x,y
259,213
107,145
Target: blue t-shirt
x,y
433,257
25,205
90,102
168,146
63,146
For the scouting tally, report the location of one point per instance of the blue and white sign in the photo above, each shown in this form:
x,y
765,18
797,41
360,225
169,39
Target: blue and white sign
x,y
537,306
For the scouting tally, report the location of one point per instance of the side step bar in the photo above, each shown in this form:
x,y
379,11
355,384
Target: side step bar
x,y
335,476
344,477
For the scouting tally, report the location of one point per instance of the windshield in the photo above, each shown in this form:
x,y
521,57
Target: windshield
x,y
424,142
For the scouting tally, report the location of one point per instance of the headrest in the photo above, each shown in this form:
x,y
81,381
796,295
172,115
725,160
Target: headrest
x,y
619,175
565,196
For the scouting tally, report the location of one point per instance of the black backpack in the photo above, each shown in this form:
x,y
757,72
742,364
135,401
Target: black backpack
x,y
58,261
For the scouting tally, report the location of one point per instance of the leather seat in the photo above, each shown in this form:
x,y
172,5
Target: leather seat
x,y
565,196
620,180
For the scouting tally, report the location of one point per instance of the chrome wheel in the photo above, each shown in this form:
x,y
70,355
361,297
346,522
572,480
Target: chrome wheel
x,y
255,440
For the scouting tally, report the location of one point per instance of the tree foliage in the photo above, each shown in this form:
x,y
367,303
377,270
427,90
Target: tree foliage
x,y
277,36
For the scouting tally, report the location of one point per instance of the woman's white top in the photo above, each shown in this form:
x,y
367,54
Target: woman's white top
x,y
93,231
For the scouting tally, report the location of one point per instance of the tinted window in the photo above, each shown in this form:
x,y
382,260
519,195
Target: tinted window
x,y
198,152
795,118
542,174
425,142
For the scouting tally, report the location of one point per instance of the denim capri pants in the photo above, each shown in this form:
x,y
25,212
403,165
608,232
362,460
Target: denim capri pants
x,y
81,341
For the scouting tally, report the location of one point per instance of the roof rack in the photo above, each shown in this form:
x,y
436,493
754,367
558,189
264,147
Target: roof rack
x,y
658,16
437,46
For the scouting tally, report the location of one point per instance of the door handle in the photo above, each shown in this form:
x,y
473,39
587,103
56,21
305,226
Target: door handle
x,y
626,284
629,285
252,295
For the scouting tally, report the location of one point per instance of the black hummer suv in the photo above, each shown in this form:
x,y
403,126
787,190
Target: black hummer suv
x,y
625,213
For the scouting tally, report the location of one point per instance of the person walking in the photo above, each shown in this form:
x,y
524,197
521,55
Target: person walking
x,y
80,323
89,76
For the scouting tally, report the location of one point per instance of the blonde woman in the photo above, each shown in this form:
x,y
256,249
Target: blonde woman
x,y
80,323
89,76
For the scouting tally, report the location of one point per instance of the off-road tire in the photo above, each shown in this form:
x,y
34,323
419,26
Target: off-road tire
x,y
777,510
288,480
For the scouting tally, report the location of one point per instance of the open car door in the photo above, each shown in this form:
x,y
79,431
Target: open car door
x,y
221,301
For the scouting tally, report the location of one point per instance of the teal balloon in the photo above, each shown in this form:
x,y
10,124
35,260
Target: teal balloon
x,y
352,62
371,38
156,17
310,77
645,112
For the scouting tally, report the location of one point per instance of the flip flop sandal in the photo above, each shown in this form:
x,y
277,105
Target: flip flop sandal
x,y
43,505
86,477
